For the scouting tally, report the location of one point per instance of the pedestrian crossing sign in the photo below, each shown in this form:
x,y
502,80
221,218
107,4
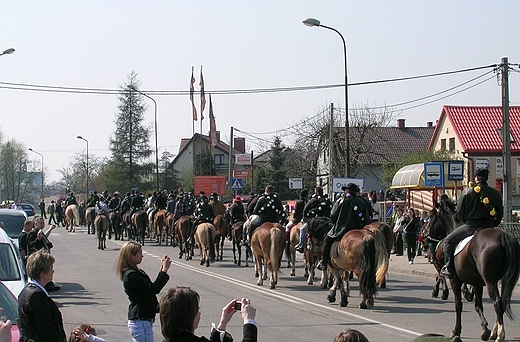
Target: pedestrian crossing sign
x,y
237,183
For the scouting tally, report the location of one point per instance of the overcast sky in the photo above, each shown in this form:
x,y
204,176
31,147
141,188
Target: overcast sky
x,y
241,45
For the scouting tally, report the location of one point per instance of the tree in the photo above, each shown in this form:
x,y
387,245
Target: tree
x,y
169,178
74,175
16,174
129,144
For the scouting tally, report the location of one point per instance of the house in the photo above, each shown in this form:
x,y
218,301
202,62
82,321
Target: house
x,y
473,134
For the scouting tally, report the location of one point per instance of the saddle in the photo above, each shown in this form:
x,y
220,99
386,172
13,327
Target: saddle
x,y
334,252
460,246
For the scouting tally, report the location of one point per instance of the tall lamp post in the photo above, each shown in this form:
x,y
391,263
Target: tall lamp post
x,y
41,155
315,22
7,51
86,166
155,127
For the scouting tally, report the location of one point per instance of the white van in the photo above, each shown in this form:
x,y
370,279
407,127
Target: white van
x,y
12,270
13,221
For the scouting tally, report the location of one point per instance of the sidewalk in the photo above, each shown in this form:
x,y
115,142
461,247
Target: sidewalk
x,y
422,268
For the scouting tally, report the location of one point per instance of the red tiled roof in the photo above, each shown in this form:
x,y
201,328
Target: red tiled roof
x,y
476,127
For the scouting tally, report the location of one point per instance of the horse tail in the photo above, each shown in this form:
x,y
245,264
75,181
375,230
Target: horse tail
x,y
512,270
211,244
75,211
99,226
382,258
367,279
275,252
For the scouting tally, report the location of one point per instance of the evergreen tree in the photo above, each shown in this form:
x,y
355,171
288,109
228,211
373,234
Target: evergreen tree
x,y
278,172
130,165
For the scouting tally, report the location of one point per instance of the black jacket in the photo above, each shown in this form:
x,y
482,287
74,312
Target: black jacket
x,y
317,207
269,208
349,213
40,319
142,293
471,209
250,332
298,210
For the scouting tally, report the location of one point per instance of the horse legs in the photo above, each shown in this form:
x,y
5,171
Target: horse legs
x,y
456,287
223,238
345,291
331,298
498,328
259,271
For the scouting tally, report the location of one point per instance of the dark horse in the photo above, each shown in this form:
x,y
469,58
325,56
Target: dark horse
x,y
115,224
139,224
221,226
492,256
236,238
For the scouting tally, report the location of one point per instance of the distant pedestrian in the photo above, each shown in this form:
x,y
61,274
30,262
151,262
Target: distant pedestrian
x,y
42,208
51,210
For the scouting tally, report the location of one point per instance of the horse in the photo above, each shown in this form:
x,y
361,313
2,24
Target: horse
x,y
268,243
290,246
248,249
101,223
115,224
221,226
139,223
237,229
205,238
169,229
159,226
318,227
388,240
490,257
183,227
126,222
71,217
90,215
359,251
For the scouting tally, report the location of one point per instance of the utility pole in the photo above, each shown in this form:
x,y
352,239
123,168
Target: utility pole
x,y
506,142
230,157
331,149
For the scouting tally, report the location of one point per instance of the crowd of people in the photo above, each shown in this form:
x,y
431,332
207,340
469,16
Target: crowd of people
x,y
178,308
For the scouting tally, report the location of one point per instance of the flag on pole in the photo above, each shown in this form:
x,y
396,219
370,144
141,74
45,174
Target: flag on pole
x,y
192,90
212,125
202,95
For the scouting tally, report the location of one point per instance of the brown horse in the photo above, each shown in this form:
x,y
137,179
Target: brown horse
x,y
205,238
161,228
101,223
236,237
387,239
71,217
170,228
220,224
183,227
268,243
290,247
491,257
139,223
90,215
359,251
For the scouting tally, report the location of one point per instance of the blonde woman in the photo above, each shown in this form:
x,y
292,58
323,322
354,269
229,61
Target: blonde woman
x,y
141,291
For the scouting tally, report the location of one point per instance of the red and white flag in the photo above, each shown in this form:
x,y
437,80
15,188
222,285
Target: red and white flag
x,y
212,125
192,90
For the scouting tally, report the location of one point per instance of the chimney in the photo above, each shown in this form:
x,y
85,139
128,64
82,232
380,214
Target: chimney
x,y
240,144
400,123
218,136
429,124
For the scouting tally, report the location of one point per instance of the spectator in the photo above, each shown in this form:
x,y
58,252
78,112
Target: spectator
x,y
51,210
398,228
81,209
41,205
23,243
180,317
39,317
411,229
350,335
140,289
84,333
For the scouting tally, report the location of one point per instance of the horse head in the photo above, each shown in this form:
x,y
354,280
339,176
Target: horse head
x,y
319,227
441,222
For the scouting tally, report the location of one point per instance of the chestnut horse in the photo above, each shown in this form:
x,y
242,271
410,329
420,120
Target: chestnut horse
x,y
139,223
221,226
388,240
71,217
491,257
205,238
90,215
290,247
183,227
363,252
236,238
268,243
101,223
160,227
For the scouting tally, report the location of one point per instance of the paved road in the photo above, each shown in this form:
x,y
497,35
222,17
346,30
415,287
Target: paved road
x,y
92,293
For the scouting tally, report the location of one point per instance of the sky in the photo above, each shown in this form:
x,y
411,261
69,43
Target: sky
x,y
240,45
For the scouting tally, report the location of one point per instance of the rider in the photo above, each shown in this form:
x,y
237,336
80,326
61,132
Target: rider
x,y
160,203
94,198
269,208
252,203
101,206
203,213
137,202
115,202
71,200
298,213
235,213
480,206
318,206
349,212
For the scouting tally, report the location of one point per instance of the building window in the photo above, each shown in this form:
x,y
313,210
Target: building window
x,y
452,145
443,145
218,159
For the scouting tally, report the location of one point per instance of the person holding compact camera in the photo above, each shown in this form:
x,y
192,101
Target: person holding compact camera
x,y
179,312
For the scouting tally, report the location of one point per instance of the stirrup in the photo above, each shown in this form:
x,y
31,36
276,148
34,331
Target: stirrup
x,y
446,272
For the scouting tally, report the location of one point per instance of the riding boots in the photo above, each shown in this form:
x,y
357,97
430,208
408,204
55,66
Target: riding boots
x,y
447,270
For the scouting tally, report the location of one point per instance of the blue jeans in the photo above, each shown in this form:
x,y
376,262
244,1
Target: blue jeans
x,y
140,331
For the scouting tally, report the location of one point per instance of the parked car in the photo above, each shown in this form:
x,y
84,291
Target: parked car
x,y
13,222
12,269
9,304
28,208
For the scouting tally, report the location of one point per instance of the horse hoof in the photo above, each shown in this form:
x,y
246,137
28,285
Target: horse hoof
x,y
362,306
331,299
485,334
293,273
273,286
235,262
444,297
256,274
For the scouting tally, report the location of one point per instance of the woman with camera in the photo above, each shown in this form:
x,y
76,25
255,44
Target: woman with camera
x,y
179,312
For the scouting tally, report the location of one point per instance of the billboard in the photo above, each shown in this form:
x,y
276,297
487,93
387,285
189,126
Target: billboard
x,y
243,159
210,184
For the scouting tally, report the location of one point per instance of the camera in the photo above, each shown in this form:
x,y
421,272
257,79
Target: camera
x,y
238,306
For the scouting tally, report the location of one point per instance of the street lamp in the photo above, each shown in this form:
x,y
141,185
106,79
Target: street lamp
x,y
86,168
155,126
7,51
41,155
315,22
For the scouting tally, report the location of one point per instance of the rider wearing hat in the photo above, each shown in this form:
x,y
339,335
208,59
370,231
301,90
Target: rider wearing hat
x,y
298,212
349,212
236,213
101,206
480,206
318,206
115,202
203,214
217,205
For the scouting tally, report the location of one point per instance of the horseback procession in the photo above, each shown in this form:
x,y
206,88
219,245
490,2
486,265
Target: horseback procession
x,y
343,239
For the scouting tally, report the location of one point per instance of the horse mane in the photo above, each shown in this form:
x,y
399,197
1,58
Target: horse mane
x,y
319,227
444,219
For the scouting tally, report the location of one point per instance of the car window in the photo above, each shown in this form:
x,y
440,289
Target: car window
x,y
8,304
13,224
8,264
